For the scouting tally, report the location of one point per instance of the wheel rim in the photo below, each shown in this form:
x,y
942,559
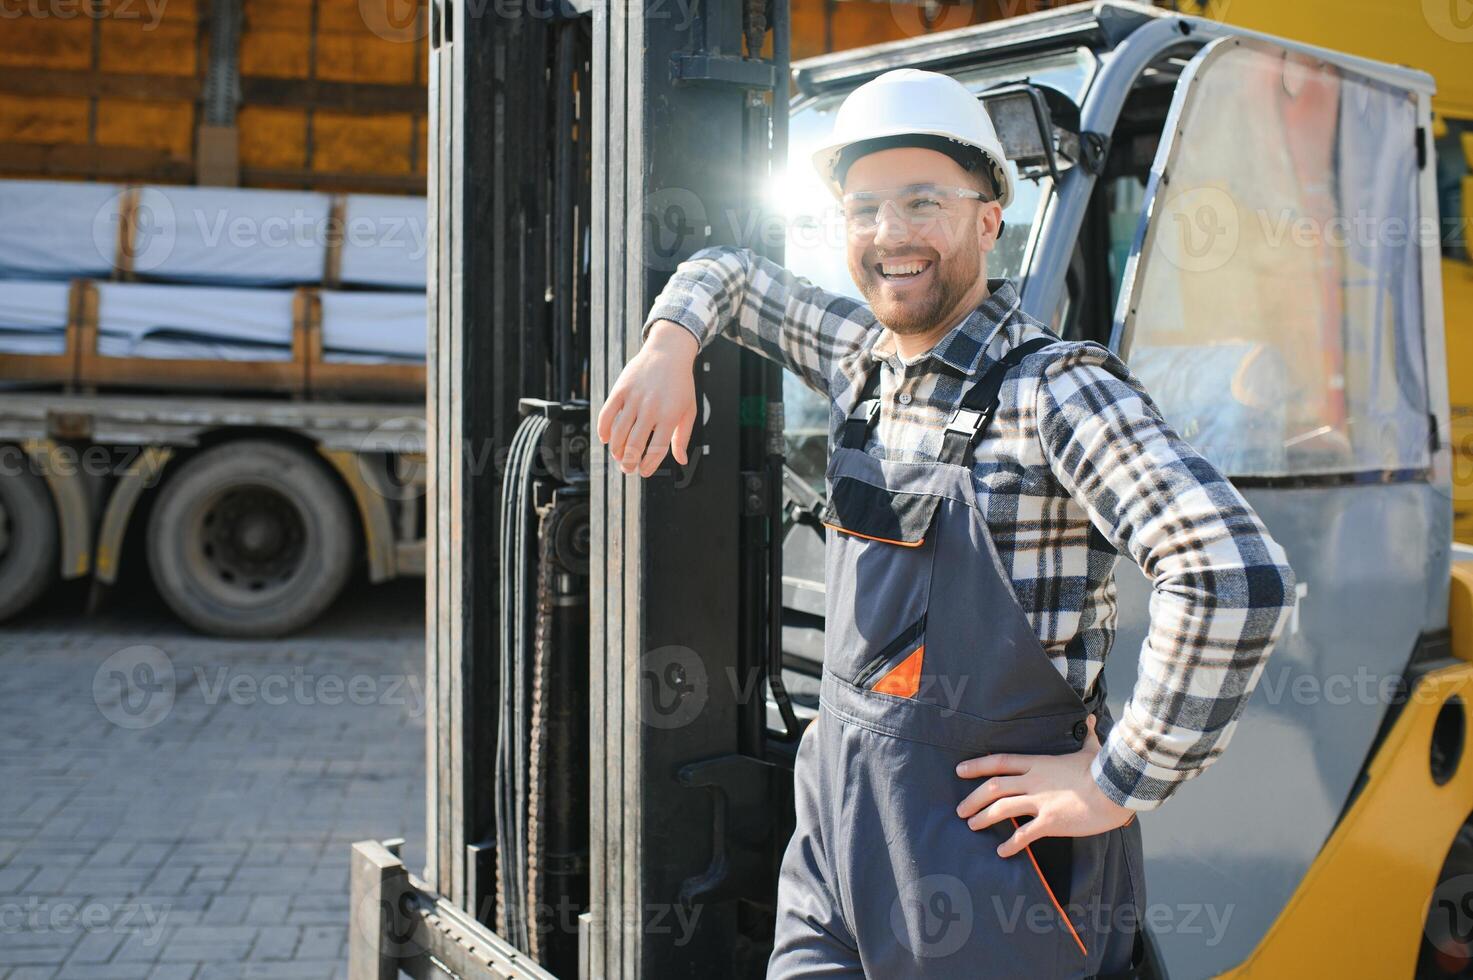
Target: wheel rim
x,y
248,545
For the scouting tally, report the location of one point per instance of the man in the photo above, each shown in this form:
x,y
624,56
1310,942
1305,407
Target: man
x,y
984,476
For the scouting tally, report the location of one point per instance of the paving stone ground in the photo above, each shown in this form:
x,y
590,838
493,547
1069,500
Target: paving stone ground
x,y
200,831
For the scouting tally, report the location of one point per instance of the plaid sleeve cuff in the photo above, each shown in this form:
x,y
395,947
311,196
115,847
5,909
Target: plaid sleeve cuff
x,y
682,315
1129,780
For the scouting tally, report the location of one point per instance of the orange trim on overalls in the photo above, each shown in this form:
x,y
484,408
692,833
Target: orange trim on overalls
x,y
903,544
904,679
1062,914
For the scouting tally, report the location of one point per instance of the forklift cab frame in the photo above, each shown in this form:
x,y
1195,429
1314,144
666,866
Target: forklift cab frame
x,y
1113,92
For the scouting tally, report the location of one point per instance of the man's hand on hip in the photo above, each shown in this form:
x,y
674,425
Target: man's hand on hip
x,y
652,405
1057,791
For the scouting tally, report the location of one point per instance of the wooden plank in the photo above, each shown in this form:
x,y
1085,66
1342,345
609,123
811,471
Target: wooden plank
x,y
85,82
346,143
362,56
34,121
368,98
168,46
47,42
149,165
332,181
272,138
164,126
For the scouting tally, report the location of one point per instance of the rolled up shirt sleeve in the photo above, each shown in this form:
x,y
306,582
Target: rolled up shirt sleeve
x,y
734,292
1222,587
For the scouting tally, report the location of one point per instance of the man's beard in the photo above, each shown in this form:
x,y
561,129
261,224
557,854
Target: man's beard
x,y
954,277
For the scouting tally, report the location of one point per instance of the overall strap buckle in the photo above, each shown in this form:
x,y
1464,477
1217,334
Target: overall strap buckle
x,y
969,421
862,416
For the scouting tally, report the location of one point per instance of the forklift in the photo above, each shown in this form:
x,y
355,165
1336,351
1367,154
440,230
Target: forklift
x,y
619,669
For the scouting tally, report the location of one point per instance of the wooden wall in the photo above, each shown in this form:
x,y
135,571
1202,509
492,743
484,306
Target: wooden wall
x,y
333,92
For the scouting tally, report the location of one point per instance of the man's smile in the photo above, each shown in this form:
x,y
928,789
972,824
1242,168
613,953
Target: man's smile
x,y
903,271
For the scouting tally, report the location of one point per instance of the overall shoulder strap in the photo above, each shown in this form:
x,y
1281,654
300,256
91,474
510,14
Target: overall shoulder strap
x,y
866,409
970,420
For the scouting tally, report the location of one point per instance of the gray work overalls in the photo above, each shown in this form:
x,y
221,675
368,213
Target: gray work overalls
x,y
929,660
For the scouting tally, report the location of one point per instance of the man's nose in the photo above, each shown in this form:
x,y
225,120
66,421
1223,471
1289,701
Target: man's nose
x,y
891,228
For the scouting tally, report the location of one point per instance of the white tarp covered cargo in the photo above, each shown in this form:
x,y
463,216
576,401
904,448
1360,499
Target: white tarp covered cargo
x,y
57,229
227,236
384,241
149,320
33,316
373,327
232,236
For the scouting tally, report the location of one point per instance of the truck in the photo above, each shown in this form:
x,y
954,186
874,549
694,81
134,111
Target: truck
x,y
113,464
235,415
621,668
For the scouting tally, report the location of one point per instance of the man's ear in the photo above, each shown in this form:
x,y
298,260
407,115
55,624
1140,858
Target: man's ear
x,y
982,225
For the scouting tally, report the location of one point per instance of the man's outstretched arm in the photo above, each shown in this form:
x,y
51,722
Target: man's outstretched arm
x,y
731,292
735,293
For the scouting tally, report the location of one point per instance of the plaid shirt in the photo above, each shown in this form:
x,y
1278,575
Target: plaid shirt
x,y
1077,466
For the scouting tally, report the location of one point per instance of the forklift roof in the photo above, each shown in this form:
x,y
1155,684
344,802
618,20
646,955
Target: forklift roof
x,y
1099,26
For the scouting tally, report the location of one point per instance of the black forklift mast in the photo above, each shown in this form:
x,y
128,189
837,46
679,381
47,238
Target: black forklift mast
x,y
605,798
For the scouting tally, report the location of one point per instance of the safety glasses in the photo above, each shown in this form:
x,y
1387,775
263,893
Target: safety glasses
x,y
918,205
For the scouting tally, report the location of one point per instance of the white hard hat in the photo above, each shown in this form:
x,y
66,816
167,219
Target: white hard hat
x,y
911,102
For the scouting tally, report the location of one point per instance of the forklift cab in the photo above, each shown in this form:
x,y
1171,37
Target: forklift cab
x,y
1238,217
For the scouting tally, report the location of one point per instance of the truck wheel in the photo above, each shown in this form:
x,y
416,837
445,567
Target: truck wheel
x,y
28,540
250,539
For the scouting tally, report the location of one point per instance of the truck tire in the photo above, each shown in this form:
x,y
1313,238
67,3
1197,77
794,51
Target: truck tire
x,y
250,539
29,542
